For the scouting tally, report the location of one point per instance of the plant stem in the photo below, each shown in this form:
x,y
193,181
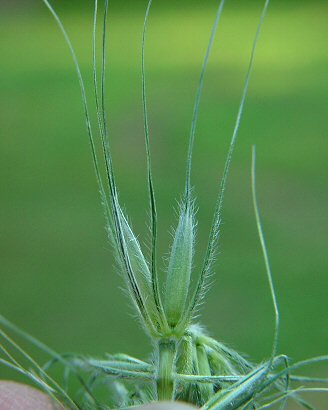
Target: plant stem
x,y
166,369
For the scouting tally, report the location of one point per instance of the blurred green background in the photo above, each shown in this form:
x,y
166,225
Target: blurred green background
x,y
58,279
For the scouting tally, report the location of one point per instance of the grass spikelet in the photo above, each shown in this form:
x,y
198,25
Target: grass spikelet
x,y
180,265
139,266
184,365
238,394
204,369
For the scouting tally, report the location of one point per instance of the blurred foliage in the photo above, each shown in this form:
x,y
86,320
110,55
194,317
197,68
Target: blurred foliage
x,y
57,275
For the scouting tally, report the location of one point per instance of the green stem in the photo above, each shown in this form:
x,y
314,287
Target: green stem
x,y
166,369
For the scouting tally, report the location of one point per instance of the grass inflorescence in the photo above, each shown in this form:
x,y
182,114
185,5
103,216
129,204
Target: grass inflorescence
x,y
186,363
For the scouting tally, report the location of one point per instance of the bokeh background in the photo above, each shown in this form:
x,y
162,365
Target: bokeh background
x,y
58,279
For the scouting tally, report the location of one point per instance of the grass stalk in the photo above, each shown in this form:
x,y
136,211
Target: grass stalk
x,y
167,350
